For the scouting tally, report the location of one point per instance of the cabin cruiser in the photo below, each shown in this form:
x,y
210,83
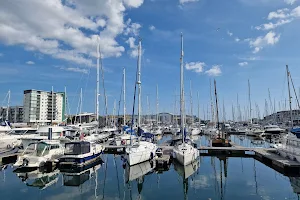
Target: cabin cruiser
x,y
4,127
12,138
36,155
273,129
61,133
80,153
142,150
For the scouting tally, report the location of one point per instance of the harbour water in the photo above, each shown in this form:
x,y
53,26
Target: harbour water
x,y
212,178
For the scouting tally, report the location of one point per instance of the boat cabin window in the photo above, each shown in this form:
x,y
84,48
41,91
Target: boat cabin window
x,y
42,149
77,148
55,146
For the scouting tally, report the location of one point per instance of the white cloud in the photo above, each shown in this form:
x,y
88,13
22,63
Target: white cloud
x,y
133,3
272,25
30,62
242,64
237,39
58,29
214,71
187,1
133,47
72,69
132,28
151,28
229,33
271,38
195,66
279,14
290,2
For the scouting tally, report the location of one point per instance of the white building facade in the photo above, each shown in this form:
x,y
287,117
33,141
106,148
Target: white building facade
x,y
38,107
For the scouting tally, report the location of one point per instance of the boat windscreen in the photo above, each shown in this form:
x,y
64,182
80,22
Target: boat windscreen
x,y
40,149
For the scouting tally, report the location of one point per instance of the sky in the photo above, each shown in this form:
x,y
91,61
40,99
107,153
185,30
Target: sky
x,y
53,43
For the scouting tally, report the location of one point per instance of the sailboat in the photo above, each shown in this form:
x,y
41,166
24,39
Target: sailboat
x,y
5,125
290,143
184,153
143,149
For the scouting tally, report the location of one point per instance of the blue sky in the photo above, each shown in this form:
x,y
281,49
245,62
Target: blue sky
x,y
53,43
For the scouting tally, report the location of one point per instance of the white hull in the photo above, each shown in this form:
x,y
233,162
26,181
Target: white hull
x,y
143,152
185,154
195,131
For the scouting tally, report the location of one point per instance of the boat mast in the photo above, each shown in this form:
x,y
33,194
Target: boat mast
x,y
191,102
139,82
198,108
124,97
157,104
250,109
290,98
98,81
181,91
217,109
52,105
211,104
80,108
8,101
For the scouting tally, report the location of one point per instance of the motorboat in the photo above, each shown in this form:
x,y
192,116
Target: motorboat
x,y
4,126
289,147
36,155
61,133
80,153
12,138
273,129
142,150
39,179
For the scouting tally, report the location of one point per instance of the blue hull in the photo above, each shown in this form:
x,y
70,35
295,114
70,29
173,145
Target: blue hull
x,y
78,162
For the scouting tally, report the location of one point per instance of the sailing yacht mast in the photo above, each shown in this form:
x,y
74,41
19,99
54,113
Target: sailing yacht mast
x,y
8,101
139,82
181,91
198,108
217,107
124,97
157,104
290,98
191,102
97,82
80,105
211,104
250,109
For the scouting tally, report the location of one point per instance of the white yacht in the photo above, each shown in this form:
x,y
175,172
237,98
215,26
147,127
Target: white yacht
x,y
273,129
195,131
156,130
4,127
80,153
36,155
12,138
184,153
141,151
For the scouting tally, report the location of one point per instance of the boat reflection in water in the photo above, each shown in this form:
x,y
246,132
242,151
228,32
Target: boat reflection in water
x,y
186,172
78,176
39,179
138,173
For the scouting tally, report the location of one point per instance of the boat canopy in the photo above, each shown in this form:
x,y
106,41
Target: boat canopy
x,y
77,148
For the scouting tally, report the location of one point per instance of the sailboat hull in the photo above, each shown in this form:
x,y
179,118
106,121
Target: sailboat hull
x,y
143,152
185,154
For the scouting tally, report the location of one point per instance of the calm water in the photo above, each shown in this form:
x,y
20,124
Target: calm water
x,y
210,178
